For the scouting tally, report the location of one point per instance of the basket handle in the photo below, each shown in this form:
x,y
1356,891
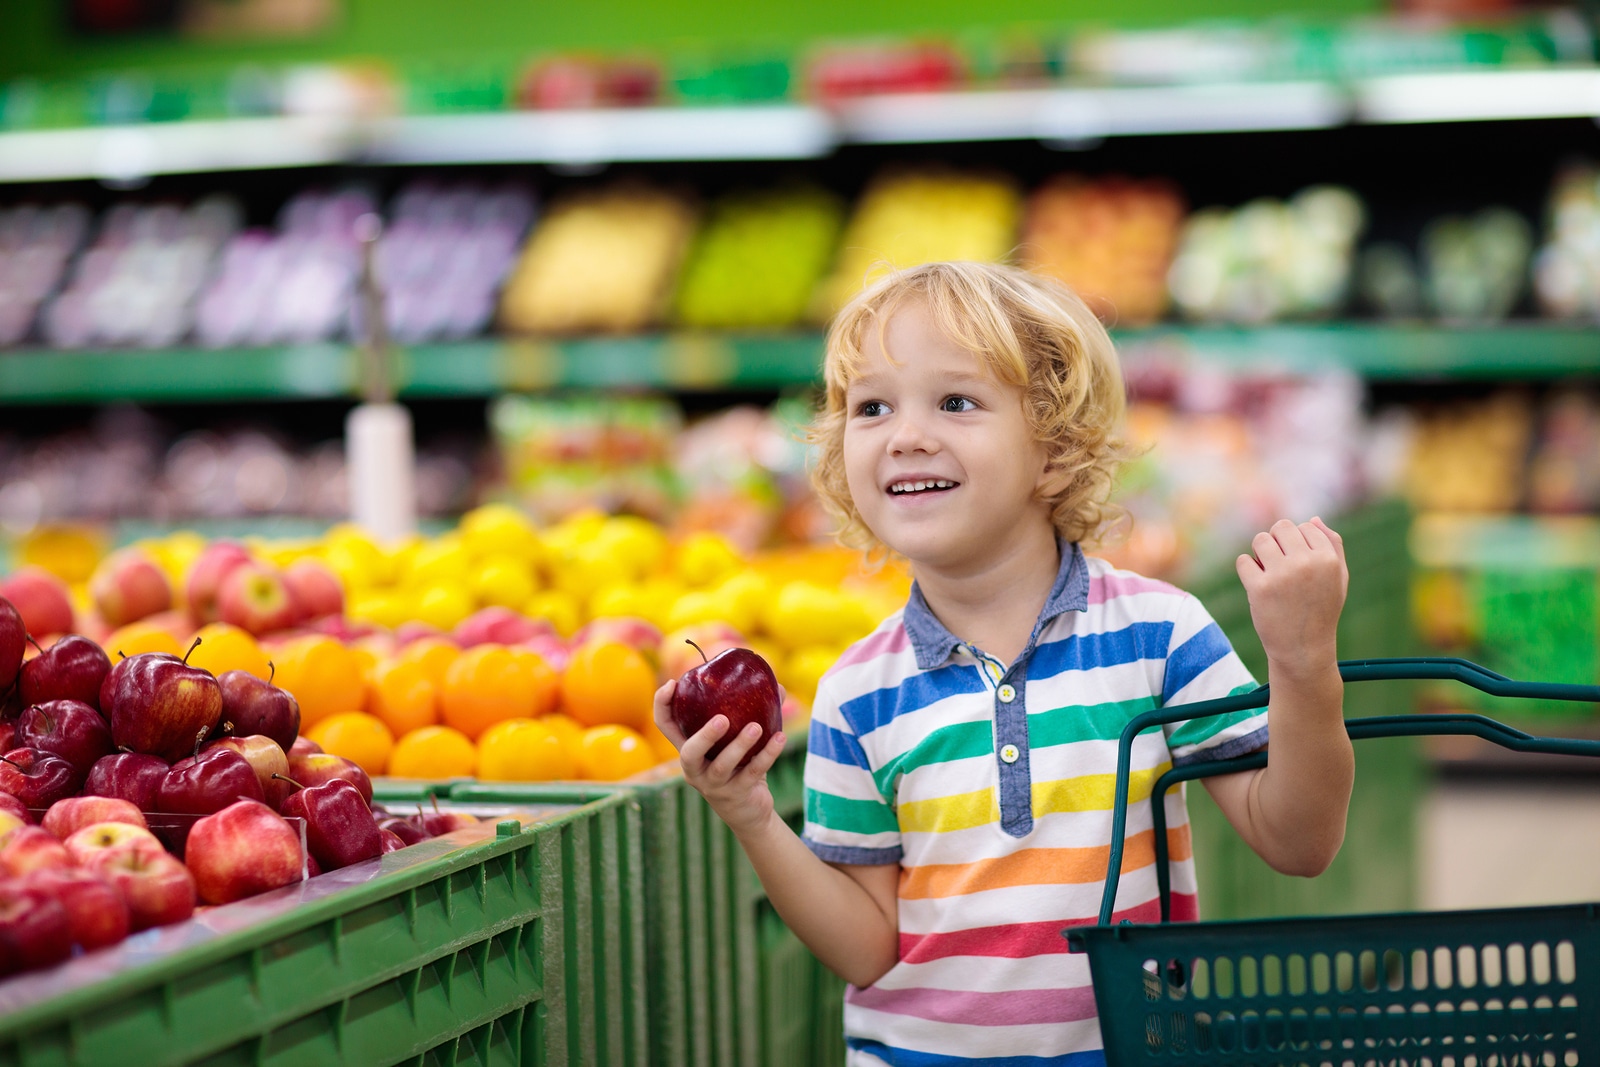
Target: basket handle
x,y
1362,670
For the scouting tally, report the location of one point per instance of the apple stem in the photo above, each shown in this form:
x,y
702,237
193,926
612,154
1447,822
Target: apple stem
x,y
189,653
15,764
272,671
698,649
286,778
435,799
200,738
121,654
29,638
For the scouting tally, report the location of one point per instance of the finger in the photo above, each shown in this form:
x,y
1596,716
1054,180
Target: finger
x,y
1249,569
662,712
1266,548
763,761
726,765
1289,537
1332,535
693,751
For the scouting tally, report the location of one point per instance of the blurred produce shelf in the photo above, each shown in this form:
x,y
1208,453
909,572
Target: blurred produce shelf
x,y
689,362
793,131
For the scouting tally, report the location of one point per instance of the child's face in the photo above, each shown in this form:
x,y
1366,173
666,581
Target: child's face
x,y
938,415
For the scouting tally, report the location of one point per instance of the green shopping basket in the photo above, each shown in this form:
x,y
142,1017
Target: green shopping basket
x,y
1510,987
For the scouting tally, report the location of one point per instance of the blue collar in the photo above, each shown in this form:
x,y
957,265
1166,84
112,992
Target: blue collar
x,y
933,643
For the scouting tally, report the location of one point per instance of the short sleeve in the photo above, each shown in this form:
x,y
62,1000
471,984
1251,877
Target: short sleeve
x,y
847,819
1202,665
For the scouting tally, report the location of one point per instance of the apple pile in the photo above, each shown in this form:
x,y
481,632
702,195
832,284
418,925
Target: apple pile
x,y
155,787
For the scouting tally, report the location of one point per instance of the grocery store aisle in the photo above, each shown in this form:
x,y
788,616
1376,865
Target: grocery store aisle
x,y
1507,843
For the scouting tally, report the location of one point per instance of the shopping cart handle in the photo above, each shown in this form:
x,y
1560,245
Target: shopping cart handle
x,y
1361,670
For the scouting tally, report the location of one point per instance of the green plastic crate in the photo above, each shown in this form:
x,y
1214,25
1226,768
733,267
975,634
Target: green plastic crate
x,y
496,945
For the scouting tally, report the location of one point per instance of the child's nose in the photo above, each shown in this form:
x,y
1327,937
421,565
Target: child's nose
x,y
910,435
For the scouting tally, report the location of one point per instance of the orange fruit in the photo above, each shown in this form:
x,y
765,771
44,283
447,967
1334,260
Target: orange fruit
x,y
433,654
137,637
567,728
658,741
358,737
324,676
610,753
608,682
228,648
434,752
523,750
403,696
492,683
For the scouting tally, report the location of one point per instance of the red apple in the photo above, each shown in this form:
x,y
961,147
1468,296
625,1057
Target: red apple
x,y
13,643
269,762
320,767
389,841
407,831
412,631
70,729
156,887
41,599
32,848
10,805
736,683
556,652
71,814
316,590
678,652
636,633
339,826
208,782
205,577
132,776
160,705
128,586
257,707
254,597
498,626
302,746
36,778
244,849
89,841
73,668
34,929
8,734
97,915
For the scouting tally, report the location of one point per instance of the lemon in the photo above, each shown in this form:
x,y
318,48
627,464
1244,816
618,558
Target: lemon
x,y
804,613
500,530
624,598
443,561
706,558
696,606
505,581
381,608
443,605
561,609
805,668
636,545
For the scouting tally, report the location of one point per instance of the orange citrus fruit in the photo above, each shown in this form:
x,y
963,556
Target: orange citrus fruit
x,y
324,676
523,750
610,753
658,741
434,752
358,737
137,637
608,682
567,728
403,696
228,648
433,654
492,683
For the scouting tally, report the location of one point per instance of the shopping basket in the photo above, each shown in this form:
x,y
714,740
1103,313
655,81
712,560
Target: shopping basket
x,y
1509,987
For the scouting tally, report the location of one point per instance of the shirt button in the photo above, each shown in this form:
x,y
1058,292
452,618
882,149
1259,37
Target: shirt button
x,y
1006,694
1010,753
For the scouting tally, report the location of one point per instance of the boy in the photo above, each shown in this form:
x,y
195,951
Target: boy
x,y
958,775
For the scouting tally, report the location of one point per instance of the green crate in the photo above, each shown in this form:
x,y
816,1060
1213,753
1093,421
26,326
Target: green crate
x,y
729,984
1374,871
494,945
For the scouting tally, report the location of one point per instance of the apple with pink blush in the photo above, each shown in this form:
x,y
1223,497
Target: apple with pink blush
x,y
159,705
32,848
97,916
128,586
412,631
74,668
317,768
316,590
91,840
270,763
244,849
34,928
157,888
40,599
36,778
10,805
71,814
636,633
254,598
213,564
70,729
254,706
499,626
135,777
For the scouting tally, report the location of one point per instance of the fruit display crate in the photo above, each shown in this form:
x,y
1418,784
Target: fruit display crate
x,y
713,938
518,942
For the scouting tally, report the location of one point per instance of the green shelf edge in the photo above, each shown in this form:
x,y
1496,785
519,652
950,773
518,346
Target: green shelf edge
x,y
687,362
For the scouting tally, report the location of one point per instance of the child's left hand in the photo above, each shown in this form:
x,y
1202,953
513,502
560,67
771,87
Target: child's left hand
x,y
1296,582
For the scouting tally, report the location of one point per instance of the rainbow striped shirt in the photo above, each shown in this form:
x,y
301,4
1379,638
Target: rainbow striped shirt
x,y
991,786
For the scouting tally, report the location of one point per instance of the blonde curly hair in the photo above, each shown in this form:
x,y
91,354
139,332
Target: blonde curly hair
x,y
1031,332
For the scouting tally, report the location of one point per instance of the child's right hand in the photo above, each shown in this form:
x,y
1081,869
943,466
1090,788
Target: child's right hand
x,y
739,796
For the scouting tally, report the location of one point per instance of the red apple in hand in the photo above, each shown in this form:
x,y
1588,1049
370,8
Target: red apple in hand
x,y
71,669
34,929
97,915
128,586
32,848
205,577
160,705
320,767
156,887
244,849
253,597
267,760
258,707
70,729
41,599
89,841
36,778
13,643
737,683
71,814
132,776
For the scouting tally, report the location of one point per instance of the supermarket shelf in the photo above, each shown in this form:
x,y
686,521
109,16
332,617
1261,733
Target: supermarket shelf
x,y
688,362
1064,116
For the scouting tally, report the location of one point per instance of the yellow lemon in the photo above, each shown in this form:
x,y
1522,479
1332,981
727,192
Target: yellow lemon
x,y
584,570
697,606
637,546
504,581
804,613
706,558
560,609
443,605
381,608
804,669
623,598
500,529
655,601
444,560
355,559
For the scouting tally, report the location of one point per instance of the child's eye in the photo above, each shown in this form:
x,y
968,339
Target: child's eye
x,y
870,409
956,404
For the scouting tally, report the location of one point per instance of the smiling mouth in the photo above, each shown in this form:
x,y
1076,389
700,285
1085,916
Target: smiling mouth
x,y
920,488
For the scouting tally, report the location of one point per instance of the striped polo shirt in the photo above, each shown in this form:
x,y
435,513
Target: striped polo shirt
x,y
991,785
